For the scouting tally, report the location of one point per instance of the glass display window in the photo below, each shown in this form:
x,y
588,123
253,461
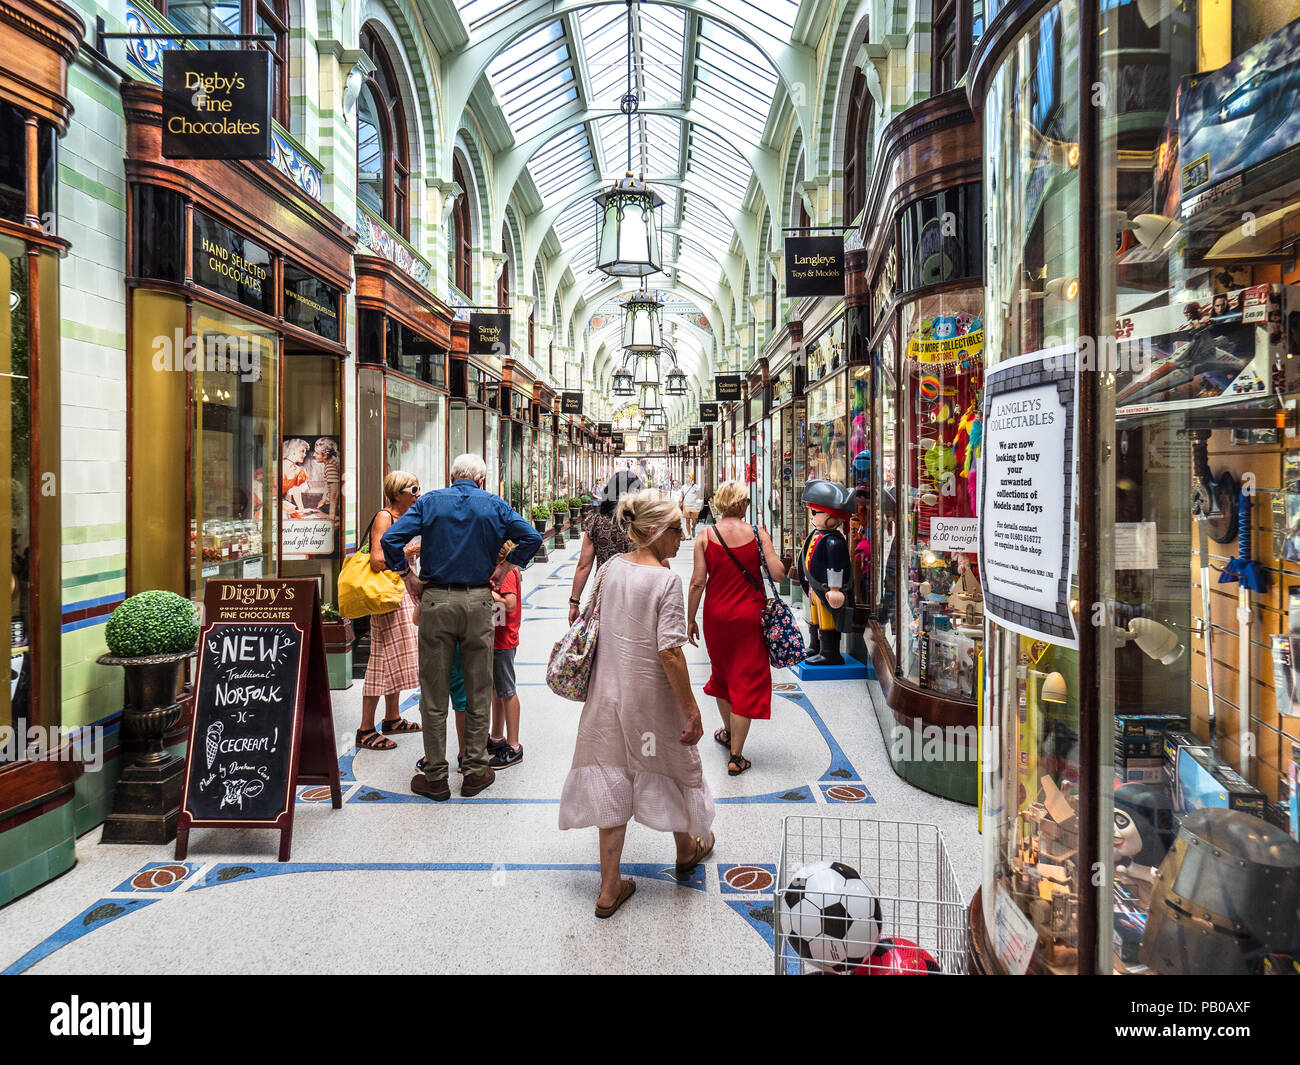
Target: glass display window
x,y
828,430
415,435
311,532
860,478
1032,874
885,533
242,472
15,487
942,618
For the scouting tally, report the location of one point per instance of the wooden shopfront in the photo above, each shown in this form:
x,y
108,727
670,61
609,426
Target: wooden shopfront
x,y
403,341
516,399
39,38
236,440
919,322
475,418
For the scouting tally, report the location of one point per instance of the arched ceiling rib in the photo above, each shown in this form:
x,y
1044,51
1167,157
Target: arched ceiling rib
x,y
706,74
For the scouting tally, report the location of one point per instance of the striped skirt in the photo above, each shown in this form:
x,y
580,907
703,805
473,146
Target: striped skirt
x,y
394,651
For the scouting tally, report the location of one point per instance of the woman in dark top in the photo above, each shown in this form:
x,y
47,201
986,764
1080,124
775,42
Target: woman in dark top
x,y
602,538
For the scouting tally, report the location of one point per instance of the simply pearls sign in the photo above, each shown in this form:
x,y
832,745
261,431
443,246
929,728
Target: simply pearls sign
x,y
1027,492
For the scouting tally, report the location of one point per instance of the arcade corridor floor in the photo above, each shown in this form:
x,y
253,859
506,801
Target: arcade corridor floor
x,y
393,883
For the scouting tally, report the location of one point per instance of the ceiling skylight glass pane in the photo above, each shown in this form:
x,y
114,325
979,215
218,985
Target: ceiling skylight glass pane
x,y
477,12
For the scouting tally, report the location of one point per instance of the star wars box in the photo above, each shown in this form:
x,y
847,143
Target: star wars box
x,y
1207,348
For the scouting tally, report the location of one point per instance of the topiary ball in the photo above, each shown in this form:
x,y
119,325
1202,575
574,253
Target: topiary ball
x,y
152,623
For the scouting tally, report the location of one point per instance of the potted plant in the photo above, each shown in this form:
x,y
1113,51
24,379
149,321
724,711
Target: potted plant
x,y
560,508
151,636
586,505
339,639
540,513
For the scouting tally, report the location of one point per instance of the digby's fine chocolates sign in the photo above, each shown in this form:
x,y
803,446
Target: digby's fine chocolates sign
x,y
216,104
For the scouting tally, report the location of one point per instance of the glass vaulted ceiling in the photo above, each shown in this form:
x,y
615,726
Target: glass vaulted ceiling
x,y
550,81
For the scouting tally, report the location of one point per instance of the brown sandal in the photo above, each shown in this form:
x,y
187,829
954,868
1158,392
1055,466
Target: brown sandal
x,y
702,851
626,889
371,740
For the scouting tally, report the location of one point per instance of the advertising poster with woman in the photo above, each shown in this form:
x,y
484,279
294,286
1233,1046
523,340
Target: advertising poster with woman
x,y
311,504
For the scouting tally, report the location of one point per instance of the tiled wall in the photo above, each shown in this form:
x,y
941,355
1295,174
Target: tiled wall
x,y
92,216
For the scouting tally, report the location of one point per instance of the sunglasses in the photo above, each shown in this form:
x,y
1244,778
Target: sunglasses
x,y
413,489
676,529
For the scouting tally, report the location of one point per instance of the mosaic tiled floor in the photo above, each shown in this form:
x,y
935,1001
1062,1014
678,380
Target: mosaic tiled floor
x,y
394,883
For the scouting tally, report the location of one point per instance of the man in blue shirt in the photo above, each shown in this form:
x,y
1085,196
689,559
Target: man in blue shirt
x,y
461,530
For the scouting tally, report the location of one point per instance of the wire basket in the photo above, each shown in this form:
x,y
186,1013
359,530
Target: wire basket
x,y
906,867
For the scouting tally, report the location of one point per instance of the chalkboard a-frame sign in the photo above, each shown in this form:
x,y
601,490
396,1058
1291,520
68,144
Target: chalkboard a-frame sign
x,y
262,720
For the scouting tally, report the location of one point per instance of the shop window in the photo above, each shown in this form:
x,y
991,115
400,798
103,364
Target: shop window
x,y
242,472
942,619
383,159
827,430
884,538
416,426
158,217
267,17
940,238
462,233
311,520
857,147
16,620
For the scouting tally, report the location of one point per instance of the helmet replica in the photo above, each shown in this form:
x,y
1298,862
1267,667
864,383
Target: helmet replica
x,y
828,497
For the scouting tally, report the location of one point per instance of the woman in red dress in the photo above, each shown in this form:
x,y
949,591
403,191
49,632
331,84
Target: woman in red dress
x,y
734,591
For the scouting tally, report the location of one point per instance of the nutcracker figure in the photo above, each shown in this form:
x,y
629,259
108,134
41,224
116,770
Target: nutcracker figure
x,y
824,569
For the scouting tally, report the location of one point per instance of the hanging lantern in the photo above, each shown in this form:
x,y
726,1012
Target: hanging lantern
x,y
647,370
623,382
676,385
629,229
648,397
641,329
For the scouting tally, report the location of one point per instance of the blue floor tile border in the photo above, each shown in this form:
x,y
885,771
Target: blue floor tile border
x,y
103,912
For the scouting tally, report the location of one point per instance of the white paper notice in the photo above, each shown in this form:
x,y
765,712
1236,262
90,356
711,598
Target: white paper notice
x,y
954,534
1135,545
1014,937
1026,503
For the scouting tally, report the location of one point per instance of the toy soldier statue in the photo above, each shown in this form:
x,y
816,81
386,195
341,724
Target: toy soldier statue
x,y
824,570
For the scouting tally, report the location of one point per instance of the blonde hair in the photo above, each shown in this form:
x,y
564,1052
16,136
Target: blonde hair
x,y
396,483
645,515
730,499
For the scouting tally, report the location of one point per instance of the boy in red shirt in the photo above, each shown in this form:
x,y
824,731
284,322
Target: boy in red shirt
x,y
505,701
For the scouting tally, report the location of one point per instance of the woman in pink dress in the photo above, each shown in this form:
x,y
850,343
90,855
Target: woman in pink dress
x,y
636,754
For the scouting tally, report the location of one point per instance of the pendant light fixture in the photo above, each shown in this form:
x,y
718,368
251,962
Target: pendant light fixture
x,y
642,330
628,229
623,382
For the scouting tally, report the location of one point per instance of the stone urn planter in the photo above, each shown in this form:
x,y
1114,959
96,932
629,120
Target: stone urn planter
x,y
151,636
561,516
540,515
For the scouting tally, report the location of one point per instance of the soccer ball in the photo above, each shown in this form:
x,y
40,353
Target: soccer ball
x,y
898,957
830,916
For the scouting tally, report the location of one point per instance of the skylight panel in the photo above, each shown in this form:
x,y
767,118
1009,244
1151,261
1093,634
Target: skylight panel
x,y
527,45
477,12
562,163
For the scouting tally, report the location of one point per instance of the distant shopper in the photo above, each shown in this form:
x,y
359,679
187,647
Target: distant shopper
x,y
636,755
393,654
602,539
462,528
729,575
691,503
503,739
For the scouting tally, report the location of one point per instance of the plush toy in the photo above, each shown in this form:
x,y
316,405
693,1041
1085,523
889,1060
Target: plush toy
x,y
858,438
822,569
945,327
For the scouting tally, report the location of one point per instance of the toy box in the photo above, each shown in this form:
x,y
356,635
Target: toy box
x,y
1173,740
1205,349
1146,726
1204,779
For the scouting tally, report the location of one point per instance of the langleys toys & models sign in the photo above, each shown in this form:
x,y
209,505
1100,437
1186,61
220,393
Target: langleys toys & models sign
x,y
216,104
814,266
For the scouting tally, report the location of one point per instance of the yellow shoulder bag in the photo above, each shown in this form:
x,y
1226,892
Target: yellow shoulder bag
x,y
362,591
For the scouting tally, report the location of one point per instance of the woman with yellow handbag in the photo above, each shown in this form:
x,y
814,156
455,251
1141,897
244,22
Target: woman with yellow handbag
x,y
394,653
